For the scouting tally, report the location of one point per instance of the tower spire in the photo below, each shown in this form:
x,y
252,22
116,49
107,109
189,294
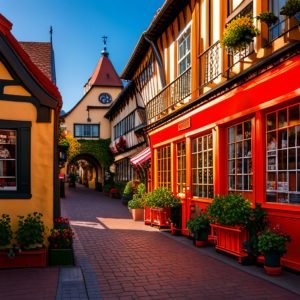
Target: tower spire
x,y
104,51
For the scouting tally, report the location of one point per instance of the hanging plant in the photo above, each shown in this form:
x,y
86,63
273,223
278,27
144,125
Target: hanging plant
x,y
239,33
267,17
291,8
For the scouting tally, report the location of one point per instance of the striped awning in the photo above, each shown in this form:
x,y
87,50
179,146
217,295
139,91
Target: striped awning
x,y
141,157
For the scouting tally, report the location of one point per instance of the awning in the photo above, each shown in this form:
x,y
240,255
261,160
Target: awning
x,y
141,157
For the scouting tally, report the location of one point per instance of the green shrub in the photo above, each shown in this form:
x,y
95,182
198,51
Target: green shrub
x,y
199,222
230,209
273,240
239,33
30,233
290,8
5,231
138,200
161,197
267,17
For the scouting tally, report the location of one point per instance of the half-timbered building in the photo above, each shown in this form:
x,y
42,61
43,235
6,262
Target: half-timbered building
x,y
223,120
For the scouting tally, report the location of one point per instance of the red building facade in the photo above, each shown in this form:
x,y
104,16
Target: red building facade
x,y
225,120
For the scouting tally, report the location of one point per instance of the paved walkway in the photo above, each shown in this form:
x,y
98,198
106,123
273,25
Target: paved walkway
x,y
123,259
117,258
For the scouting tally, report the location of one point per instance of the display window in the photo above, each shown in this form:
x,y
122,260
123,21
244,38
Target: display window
x,y
283,155
239,161
164,167
202,166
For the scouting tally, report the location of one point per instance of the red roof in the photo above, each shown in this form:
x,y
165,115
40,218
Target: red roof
x,y
39,76
40,54
105,74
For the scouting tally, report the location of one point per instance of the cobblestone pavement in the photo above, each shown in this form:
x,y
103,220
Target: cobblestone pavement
x,y
123,259
28,284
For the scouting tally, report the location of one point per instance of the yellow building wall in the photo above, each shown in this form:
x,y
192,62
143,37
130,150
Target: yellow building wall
x,y
41,156
80,113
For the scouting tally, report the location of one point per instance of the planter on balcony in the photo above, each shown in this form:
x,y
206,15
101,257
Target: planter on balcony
x,y
24,259
231,239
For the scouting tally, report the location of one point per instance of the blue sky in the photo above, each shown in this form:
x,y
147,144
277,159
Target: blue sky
x,y
78,26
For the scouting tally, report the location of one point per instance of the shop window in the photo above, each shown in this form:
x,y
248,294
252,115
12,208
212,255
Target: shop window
x,y
181,167
283,155
202,166
86,130
15,159
164,167
240,157
124,171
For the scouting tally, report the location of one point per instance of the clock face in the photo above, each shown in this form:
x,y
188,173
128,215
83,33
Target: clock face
x,y
105,98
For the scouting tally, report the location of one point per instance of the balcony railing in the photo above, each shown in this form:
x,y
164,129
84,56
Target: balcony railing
x,y
281,28
237,55
210,62
172,94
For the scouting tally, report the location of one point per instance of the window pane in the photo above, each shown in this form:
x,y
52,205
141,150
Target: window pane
x,y
239,157
202,159
283,156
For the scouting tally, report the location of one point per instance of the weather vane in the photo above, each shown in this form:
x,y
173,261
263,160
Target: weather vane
x,y
104,39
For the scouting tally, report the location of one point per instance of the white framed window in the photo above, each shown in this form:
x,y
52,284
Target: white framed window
x,y
184,50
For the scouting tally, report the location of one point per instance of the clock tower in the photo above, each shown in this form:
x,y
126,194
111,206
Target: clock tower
x,y
86,119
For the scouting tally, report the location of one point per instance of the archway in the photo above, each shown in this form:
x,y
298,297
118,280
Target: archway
x,y
88,169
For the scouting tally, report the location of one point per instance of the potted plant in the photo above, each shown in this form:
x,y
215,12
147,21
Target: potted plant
x,y
30,250
160,201
5,231
272,243
60,243
267,17
199,227
256,223
137,203
239,33
291,8
228,216
31,231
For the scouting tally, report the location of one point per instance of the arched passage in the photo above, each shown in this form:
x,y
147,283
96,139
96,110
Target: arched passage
x,y
89,170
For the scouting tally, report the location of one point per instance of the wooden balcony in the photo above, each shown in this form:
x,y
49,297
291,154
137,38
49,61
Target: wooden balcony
x,y
173,94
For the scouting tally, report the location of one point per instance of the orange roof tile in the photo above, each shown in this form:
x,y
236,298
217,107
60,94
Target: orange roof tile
x,y
40,54
105,74
42,79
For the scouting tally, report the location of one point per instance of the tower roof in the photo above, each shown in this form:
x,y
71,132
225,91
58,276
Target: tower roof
x,y
105,73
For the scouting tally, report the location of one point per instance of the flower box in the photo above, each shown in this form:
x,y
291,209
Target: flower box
x,y
231,239
24,259
161,216
59,257
147,215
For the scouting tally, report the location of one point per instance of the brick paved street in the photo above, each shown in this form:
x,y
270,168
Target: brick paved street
x,y
122,259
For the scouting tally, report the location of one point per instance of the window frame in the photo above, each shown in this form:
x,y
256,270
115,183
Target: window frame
x,y
182,38
206,166
164,167
181,167
85,136
235,158
23,159
271,186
